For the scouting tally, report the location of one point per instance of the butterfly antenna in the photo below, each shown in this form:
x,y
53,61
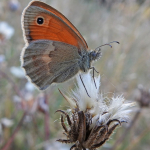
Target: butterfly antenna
x,y
107,44
84,86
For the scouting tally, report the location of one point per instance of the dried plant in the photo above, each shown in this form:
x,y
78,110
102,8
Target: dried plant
x,y
91,121
143,97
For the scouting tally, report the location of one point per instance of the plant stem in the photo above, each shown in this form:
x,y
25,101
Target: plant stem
x,y
46,119
9,142
3,74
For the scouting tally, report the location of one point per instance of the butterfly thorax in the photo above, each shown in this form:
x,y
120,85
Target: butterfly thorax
x,y
84,62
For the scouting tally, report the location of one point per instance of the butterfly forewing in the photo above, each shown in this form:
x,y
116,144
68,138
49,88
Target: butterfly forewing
x,y
60,15
52,27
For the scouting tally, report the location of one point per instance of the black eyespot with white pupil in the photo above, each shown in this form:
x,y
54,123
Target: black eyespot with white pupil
x,y
40,20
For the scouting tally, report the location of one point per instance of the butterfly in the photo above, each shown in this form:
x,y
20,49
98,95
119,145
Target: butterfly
x,y
55,51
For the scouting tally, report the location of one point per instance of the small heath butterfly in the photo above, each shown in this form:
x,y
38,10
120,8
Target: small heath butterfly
x,y
55,51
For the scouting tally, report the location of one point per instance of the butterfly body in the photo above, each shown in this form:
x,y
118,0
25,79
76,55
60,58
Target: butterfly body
x,y
55,51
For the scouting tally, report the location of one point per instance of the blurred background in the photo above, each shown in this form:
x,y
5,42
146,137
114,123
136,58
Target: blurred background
x,y
124,69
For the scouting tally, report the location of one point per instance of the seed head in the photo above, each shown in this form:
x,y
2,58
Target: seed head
x,y
91,120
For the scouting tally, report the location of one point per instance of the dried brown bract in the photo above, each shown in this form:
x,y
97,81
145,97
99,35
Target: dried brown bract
x,y
80,133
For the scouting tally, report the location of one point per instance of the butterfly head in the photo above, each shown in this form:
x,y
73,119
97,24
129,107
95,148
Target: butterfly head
x,y
95,55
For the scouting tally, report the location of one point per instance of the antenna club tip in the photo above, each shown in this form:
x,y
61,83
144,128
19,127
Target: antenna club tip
x,y
117,42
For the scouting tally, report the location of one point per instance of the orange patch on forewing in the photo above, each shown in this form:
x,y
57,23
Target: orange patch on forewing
x,y
57,13
54,27
51,29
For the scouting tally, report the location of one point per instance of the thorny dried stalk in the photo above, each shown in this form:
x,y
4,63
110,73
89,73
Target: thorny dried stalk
x,y
91,121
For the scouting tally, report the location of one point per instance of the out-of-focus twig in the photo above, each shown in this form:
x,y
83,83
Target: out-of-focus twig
x,y
8,143
3,74
137,139
120,139
46,119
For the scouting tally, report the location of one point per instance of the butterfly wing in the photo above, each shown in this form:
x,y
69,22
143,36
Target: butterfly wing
x,y
60,15
54,26
52,45
48,61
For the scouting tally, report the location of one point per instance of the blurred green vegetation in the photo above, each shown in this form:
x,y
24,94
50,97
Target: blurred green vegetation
x,y
122,69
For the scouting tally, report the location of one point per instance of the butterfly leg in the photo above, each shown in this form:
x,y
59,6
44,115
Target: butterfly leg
x,y
93,68
84,86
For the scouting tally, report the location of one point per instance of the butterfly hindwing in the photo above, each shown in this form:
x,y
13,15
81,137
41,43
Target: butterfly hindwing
x,y
46,62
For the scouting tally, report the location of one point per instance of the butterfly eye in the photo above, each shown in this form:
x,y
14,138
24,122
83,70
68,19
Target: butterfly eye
x,y
40,20
93,54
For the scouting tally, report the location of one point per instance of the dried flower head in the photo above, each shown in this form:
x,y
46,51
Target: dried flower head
x,y
91,120
143,96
